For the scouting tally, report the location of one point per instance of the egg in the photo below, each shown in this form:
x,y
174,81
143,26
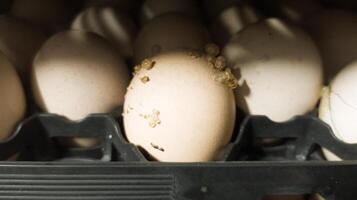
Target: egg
x,y
46,13
279,68
338,107
19,41
153,8
179,107
231,21
334,31
109,23
77,73
169,32
12,101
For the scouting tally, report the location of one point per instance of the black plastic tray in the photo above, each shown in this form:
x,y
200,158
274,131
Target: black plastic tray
x,y
116,169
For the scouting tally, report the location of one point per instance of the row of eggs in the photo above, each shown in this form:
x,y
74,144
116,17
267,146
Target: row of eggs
x,y
180,105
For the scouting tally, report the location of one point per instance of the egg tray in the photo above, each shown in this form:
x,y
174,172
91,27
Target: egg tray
x,y
116,169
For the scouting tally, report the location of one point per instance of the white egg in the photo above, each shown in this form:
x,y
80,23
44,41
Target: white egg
x,y
153,8
280,68
334,32
76,74
338,107
109,23
19,41
12,101
169,32
177,109
231,21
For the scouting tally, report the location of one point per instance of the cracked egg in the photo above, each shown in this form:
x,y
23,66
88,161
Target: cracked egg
x,y
338,107
183,114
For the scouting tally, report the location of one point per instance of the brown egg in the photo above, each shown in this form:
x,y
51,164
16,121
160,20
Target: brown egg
x,y
19,41
169,32
76,74
334,32
12,101
180,108
280,68
232,20
47,13
153,8
109,23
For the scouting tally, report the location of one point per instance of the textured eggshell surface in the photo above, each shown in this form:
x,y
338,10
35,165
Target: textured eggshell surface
x,y
169,32
334,32
19,41
339,106
177,111
12,101
76,74
280,69
109,23
153,8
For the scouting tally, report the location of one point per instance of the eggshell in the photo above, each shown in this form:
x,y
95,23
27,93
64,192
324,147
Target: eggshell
x,y
338,107
19,41
231,21
153,8
76,74
12,101
279,67
109,23
169,32
177,111
48,13
334,31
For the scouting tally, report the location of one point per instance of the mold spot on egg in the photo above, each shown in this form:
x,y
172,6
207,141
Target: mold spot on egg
x,y
220,63
153,118
227,78
147,64
145,79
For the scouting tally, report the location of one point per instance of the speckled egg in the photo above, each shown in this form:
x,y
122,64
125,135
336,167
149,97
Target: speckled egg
x,y
180,106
